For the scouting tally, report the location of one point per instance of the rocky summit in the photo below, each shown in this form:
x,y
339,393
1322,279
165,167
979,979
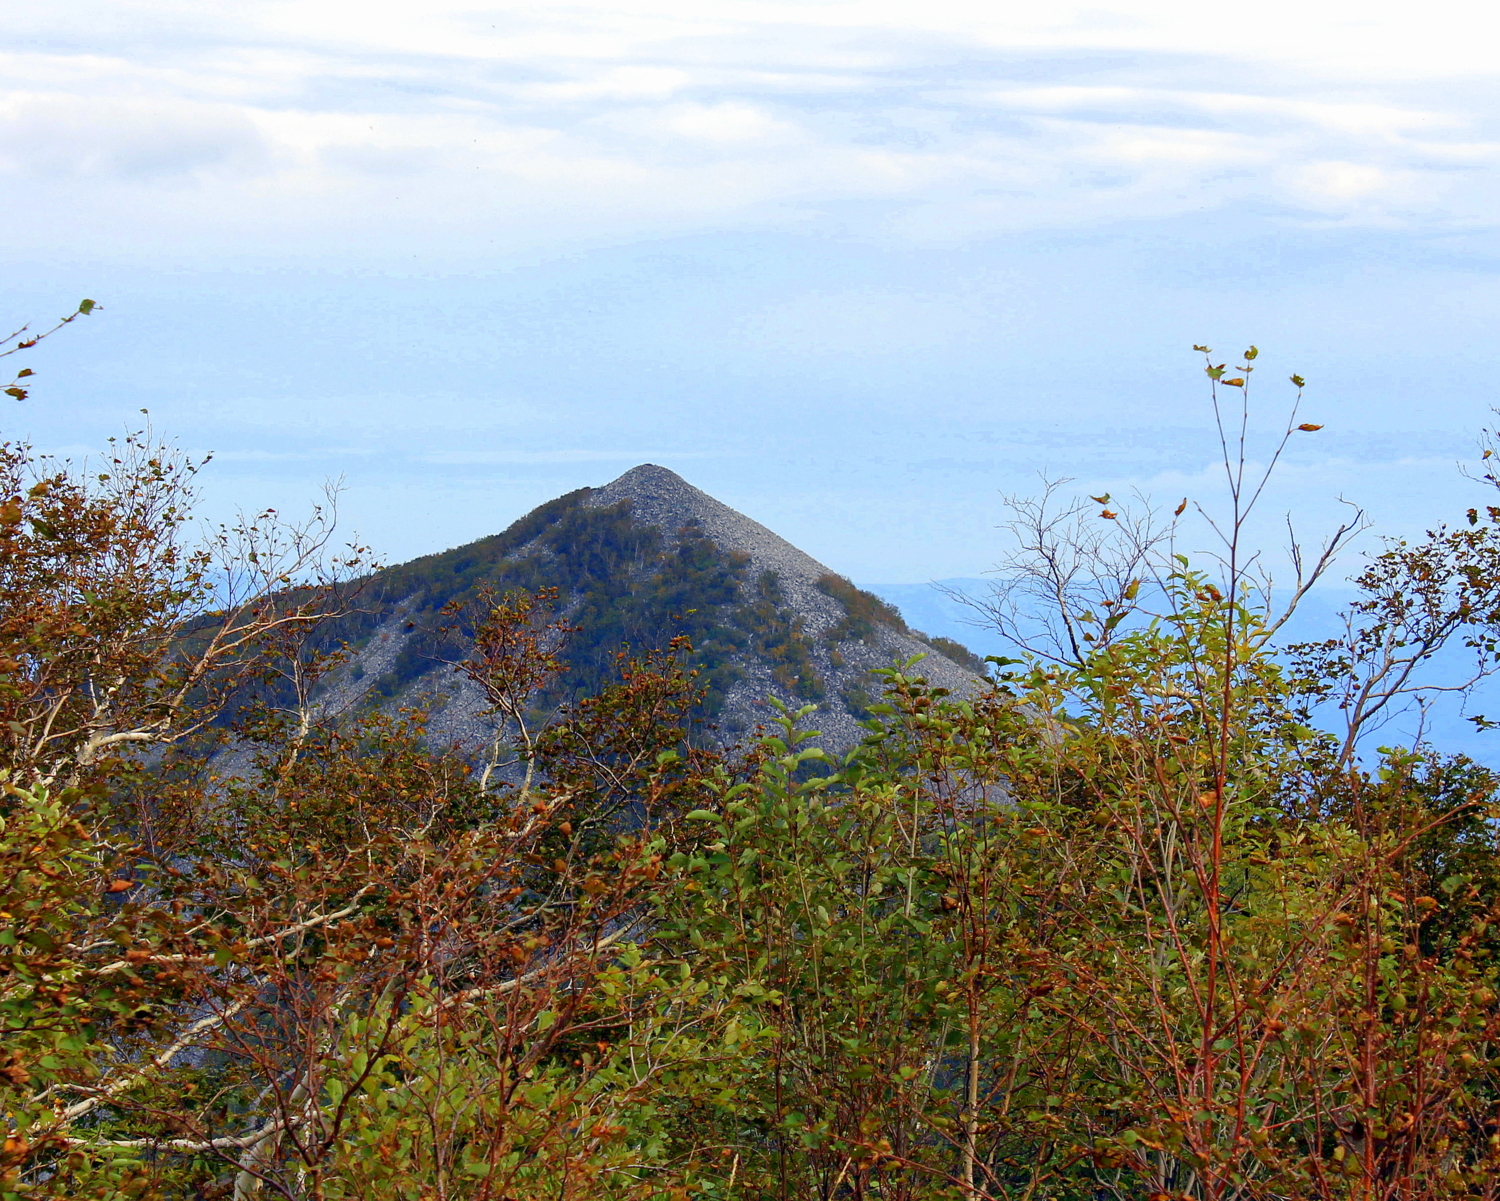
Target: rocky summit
x,y
636,562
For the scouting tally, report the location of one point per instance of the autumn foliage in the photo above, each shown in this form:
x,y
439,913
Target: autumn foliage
x,y
1145,917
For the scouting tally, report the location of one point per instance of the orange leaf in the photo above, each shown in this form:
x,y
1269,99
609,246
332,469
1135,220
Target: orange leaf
x,y
1308,427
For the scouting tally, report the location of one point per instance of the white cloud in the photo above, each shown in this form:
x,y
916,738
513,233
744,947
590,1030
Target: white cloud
x,y
325,126
1342,181
74,137
726,124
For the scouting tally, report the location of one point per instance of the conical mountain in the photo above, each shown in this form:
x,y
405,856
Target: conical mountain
x,y
663,498
636,562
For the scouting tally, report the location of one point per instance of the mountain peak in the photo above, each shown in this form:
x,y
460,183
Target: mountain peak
x,y
657,493
662,498
647,476
637,561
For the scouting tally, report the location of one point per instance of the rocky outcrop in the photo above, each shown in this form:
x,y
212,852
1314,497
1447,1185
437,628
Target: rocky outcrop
x,y
634,561
816,598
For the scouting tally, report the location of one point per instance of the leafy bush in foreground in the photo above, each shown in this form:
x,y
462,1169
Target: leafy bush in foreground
x,y
1128,924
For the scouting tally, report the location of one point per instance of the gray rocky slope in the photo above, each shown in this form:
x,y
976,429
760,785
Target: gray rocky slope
x,y
663,498
835,632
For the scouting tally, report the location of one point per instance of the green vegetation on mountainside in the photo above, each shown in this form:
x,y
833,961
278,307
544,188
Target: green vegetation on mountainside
x,y
778,637
864,611
624,585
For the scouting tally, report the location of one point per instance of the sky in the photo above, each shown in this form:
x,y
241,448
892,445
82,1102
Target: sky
x,y
858,269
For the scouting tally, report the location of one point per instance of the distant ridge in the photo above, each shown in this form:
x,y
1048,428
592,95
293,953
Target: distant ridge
x,y
636,561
